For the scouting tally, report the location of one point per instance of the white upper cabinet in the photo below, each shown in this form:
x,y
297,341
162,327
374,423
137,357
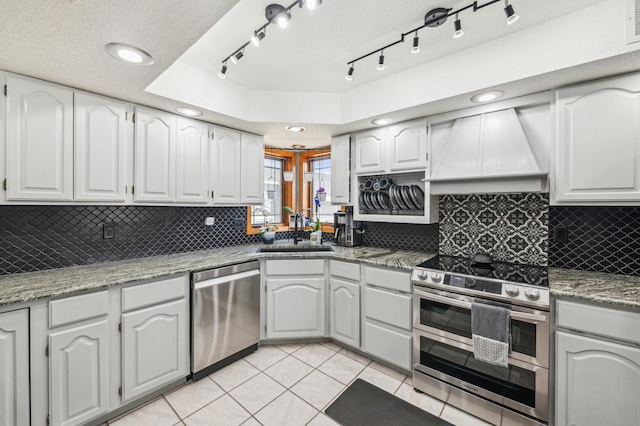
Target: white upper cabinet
x,y
237,167
407,144
192,162
340,170
100,129
252,169
39,140
155,153
371,152
398,148
226,166
598,143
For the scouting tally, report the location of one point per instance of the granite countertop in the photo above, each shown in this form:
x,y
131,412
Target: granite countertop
x,y
619,290
30,286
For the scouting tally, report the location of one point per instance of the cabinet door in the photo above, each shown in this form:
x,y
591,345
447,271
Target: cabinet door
x,y
407,143
39,141
192,174
100,128
597,382
295,307
155,148
252,177
340,170
344,307
371,151
389,345
155,348
598,142
226,166
14,368
79,374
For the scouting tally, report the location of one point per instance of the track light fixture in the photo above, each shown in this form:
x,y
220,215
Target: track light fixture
x,y
381,61
458,28
349,75
257,37
435,18
275,14
416,44
223,72
511,14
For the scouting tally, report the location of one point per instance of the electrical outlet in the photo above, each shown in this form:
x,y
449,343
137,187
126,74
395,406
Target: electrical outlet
x,y
560,234
108,231
209,221
238,224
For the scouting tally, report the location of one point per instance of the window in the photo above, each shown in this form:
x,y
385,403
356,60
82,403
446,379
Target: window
x,y
321,169
271,209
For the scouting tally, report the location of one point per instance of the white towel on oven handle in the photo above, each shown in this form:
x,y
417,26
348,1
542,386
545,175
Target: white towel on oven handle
x,y
490,351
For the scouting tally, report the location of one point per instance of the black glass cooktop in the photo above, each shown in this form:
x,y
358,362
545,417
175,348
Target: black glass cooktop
x,y
525,274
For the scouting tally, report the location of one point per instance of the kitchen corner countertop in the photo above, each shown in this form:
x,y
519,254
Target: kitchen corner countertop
x,y
30,286
619,290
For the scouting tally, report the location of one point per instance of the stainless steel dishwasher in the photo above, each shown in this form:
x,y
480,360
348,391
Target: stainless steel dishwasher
x,y
225,316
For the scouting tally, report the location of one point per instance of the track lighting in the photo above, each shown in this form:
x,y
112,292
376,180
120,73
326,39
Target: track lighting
x,y
277,14
223,72
311,4
257,37
458,28
235,58
435,18
416,44
381,61
349,75
511,14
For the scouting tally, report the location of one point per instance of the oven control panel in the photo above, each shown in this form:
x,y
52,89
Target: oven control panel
x,y
478,285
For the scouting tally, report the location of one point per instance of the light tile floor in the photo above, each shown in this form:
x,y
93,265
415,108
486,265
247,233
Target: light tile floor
x,y
281,385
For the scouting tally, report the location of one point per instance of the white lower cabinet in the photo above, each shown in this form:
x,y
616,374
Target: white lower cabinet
x,y
387,317
598,370
14,368
155,347
344,309
78,373
295,303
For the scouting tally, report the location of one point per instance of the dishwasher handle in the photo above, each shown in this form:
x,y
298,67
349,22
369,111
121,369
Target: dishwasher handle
x,y
225,279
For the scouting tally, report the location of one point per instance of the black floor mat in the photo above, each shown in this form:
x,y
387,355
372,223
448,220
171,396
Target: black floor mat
x,y
363,404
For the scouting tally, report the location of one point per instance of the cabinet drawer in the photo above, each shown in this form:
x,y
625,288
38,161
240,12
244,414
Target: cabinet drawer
x,y
295,267
350,271
78,308
598,320
387,278
390,308
142,295
389,345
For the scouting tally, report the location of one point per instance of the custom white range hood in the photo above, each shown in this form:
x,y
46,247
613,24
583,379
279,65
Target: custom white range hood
x,y
490,152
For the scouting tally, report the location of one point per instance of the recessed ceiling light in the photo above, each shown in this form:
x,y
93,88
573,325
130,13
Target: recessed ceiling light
x,y
381,121
487,96
127,53
191,112
295,129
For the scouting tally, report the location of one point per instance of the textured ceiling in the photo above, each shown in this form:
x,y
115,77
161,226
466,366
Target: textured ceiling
x,y
63,41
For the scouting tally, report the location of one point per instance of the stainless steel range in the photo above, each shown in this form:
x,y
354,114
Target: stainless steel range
x,y
444,289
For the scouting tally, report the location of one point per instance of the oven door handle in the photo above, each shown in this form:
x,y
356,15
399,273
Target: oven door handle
x,y
466,305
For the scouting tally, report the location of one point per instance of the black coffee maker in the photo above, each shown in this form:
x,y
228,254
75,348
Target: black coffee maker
x,y
345,231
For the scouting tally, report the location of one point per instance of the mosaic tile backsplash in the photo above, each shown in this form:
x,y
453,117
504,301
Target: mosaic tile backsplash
x,y
601,239
401,236
509,227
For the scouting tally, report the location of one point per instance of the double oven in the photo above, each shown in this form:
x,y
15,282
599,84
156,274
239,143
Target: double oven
x,y
444,290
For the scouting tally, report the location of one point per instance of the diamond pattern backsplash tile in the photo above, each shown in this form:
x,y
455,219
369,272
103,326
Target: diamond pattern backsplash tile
x,y
601,239
35,238
509,227
401,236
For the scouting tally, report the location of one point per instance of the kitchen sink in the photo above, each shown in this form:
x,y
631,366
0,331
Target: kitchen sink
x,y
294,249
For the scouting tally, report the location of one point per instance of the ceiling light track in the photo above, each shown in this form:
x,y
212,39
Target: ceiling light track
x,y
275,14
434,18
